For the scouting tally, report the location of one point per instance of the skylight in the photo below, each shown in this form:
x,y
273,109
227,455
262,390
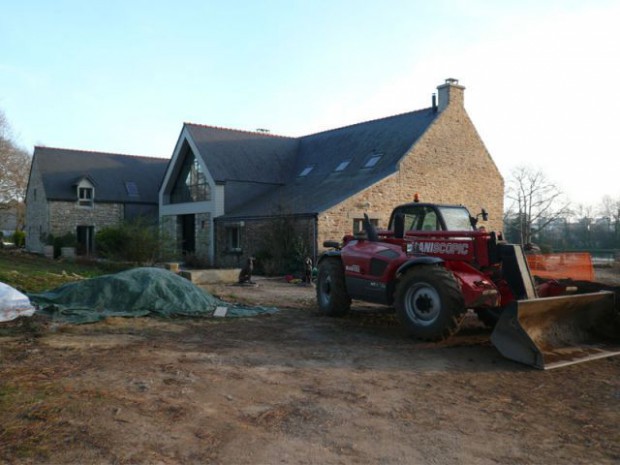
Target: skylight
x,y
373,160
132,189
342,165
306,171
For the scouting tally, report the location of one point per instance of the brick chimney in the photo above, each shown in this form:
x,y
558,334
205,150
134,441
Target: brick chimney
x,y
450,93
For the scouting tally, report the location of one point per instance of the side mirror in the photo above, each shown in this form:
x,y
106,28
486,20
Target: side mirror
x,y
483,214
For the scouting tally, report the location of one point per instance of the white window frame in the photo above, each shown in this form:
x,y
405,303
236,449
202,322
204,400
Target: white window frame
x,y
85,195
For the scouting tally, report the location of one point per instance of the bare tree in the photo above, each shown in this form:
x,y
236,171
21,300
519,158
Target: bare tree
x,y
534,202
14,166
610,210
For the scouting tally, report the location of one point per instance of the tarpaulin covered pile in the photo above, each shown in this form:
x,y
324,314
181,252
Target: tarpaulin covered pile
x,y
135,292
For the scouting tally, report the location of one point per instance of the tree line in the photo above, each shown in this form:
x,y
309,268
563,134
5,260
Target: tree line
x,y
537,212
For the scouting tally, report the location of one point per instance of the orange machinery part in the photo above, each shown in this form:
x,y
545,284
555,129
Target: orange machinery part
x,y
575,266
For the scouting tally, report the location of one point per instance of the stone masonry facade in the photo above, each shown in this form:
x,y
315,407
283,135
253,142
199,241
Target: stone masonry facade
x,y
37,213
67,216
258,236
44,217
448,164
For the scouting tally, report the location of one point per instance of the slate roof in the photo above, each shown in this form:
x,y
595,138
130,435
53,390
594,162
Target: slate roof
x,y
233,155
259,158
62,169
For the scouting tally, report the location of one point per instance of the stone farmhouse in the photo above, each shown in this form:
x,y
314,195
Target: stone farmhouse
x,y
80,192
224,188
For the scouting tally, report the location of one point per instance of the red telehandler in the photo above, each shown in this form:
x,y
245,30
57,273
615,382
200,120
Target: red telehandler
x,y
433,264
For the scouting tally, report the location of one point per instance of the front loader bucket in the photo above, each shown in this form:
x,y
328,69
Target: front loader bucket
x,y
556,331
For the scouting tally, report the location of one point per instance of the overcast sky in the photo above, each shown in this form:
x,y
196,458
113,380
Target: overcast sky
x,y
542,77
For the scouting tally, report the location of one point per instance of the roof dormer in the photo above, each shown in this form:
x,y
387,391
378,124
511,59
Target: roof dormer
x,y
85,191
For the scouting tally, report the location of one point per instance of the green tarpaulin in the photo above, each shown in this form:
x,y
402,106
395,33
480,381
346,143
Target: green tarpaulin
x,y
131,293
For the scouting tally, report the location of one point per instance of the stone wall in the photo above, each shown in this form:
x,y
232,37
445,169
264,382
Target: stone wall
x,y
169,234
448,164
257,236
65,217
37,213
203,237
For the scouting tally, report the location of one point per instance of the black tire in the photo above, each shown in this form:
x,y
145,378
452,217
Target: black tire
x,y
331,292
429,302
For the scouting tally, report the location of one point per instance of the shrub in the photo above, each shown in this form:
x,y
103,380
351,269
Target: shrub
x,y
134,241
19,238
66,240
282,249
111,242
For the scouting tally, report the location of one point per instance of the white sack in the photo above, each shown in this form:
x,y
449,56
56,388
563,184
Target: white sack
x,y
13,304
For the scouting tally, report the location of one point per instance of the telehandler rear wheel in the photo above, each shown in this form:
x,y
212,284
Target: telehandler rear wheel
x,y
331,292
429,302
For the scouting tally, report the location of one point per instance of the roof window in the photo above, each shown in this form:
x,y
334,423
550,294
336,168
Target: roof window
x,y
343,165
306,171
373,160
132,189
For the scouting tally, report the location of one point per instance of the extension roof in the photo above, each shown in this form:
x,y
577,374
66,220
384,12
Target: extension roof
x,y
233,155
117,178
262,172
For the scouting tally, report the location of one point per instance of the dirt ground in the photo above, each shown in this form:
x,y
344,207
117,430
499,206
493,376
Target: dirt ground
x,y
292,388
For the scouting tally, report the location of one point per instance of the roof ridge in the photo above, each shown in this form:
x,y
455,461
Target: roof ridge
x,y
245,131
368,121
268,134
98,152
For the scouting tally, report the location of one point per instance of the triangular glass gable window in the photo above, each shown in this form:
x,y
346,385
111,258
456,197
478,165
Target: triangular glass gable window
x,y
191,184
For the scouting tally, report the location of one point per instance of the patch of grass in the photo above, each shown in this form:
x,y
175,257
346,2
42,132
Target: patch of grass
x,y
31,273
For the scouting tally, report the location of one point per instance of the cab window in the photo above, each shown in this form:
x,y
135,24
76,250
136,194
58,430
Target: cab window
x,y
419,218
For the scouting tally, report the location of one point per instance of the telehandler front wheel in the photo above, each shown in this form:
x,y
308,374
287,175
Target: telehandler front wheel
x,y
429,302
331,291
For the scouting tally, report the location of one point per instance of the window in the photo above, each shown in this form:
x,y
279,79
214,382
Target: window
x,y
233,238
306,171
373,160
342,166
358,224
85,196
430,222
420,218
132,189
191,184
426,218
456,218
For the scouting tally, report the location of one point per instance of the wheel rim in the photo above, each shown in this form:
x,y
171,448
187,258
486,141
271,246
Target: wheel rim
x,y
422,304
325,288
